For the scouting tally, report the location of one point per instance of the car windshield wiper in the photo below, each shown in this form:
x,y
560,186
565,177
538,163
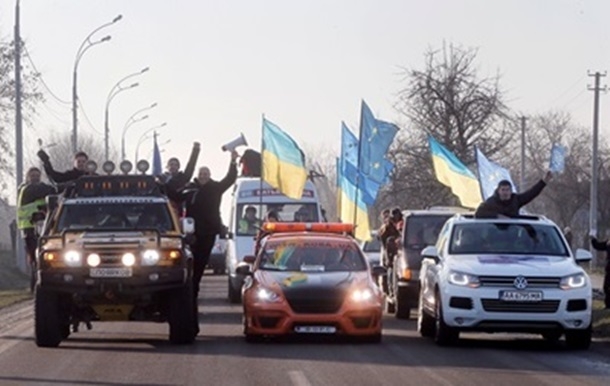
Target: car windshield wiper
x,y
272,268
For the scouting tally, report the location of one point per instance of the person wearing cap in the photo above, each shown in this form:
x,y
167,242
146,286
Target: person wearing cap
x,y
79,169
505,203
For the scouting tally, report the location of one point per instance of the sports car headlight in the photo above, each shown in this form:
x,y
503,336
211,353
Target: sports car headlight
x,y
573,281
73,258
362,295
265,295
128,259
463,279
150,257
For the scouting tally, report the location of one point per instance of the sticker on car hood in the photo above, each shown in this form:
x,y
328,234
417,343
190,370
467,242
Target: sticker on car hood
x,y
511,259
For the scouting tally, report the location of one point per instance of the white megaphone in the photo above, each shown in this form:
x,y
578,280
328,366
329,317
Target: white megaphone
x,y
239,141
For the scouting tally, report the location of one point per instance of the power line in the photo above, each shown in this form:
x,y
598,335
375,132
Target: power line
x,y
46,86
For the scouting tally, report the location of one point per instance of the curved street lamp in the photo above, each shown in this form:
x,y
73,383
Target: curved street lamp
x,y
114,91
145,136
85,45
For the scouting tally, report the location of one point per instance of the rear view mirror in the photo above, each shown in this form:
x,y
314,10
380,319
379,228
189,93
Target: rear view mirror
x,y
430,253
188,225
378,271
582,255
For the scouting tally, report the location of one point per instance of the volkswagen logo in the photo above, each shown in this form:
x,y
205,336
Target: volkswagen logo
x,y
520,283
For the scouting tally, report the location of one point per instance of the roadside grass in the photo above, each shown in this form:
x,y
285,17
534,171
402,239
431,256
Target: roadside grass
x,y
601,320
13,283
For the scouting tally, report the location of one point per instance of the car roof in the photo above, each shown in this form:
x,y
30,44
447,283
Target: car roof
x,y
524,219
312,236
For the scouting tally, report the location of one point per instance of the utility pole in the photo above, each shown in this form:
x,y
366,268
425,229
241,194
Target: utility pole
x,y
594,170
18,131
522,175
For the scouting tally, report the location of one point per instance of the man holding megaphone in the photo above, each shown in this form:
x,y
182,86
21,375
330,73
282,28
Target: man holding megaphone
x,y
234,144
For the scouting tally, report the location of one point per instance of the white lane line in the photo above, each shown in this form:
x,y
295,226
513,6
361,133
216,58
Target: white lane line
x,y
298,378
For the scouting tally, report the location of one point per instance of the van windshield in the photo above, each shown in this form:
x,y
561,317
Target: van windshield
x,y
249,217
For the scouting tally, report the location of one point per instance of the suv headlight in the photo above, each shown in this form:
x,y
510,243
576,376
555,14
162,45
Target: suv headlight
x,y
463,279
73,258
266,295
150,257
573,281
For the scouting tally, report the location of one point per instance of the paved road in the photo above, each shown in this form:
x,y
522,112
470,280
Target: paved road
x,y
138,354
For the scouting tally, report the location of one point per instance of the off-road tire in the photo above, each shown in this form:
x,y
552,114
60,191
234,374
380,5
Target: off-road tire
x,y
180,317
234,294
47,320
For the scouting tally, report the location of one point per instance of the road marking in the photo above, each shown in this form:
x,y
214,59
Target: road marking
x,y
298,378
23,331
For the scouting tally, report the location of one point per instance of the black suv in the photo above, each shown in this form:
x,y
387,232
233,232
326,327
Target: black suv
x,y
420,229
112,249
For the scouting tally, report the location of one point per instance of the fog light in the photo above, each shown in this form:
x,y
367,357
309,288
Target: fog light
x,y
128,259
68,278
153,277
94,260
577,323
459,321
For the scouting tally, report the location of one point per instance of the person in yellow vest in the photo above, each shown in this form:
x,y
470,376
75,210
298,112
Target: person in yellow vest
x,y
30,199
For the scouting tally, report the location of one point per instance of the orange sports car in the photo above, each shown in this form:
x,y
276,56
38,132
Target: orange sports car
x,y
311,279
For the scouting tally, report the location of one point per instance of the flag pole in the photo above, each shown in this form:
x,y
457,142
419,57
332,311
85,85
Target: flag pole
x,y
476,157
260,190
358,166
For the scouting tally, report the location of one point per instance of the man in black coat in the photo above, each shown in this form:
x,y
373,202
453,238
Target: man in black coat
x,y
202,199
79,169
604,246
175,180
505,203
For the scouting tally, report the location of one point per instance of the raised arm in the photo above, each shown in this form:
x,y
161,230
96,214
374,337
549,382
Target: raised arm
x,y
190,166
231,176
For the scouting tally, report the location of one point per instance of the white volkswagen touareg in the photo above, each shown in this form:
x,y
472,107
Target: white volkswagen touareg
x,y
504,275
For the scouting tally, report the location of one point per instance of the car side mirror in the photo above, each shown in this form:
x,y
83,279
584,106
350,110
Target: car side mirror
x,y
243,269
250,259
378,271
430,253
188,225
582,255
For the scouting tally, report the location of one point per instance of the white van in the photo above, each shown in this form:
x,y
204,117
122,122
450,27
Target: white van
x,y
254,198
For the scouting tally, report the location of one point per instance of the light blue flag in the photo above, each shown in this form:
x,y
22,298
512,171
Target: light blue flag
x,y
376,137
490,174
157,169
367,188
558,158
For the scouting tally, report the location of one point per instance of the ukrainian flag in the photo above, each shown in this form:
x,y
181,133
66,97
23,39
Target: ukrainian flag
x,y
283,162
451,172
352,208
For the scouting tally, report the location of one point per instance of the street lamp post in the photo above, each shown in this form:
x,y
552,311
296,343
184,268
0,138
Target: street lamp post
x,y
114,91
85,45
130,122
144,137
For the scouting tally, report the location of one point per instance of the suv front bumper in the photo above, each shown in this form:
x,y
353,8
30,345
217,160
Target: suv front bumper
x,y
481,309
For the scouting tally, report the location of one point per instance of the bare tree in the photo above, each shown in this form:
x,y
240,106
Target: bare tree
x,y
322,164
60,149
30,96
449,100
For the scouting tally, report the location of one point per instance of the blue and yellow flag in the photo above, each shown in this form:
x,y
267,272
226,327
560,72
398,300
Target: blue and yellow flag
x,y
157,168
349,166
451,172
376,136
351,206
283,162
490,174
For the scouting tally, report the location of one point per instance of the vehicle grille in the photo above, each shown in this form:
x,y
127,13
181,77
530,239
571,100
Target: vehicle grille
x,y
315,300
543,307
507,281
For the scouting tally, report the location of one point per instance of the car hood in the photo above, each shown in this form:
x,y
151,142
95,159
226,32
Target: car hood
x,y
503,265
288,281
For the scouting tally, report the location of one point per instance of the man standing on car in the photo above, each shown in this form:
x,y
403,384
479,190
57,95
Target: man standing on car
x,y
176,180
505,203
79,169
202,199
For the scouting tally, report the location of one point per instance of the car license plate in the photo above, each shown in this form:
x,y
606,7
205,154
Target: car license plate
x,y
521,296
110,272
315,329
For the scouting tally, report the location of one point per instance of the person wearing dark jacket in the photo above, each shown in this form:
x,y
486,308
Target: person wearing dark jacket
x,y
505,203
202,201
175,180
604,246
31,199
80,161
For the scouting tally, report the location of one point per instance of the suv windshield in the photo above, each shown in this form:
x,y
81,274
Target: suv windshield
x,y
312,256
423,230
116,216
249,217
503,238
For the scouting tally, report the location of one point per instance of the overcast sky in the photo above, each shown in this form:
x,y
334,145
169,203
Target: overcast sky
x,y
217,66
